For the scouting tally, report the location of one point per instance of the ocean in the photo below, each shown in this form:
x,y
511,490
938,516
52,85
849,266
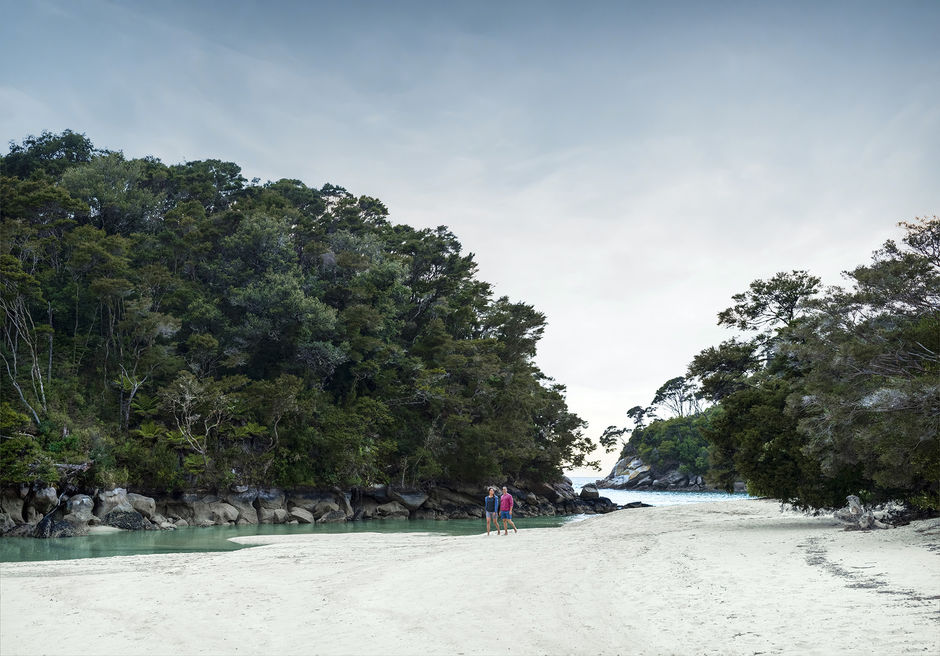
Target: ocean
x,y
654,497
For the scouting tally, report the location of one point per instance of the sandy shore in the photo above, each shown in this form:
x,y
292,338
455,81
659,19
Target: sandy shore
x,y
734,577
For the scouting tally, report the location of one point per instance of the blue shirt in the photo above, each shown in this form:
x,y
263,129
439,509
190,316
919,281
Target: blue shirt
x,y
491,503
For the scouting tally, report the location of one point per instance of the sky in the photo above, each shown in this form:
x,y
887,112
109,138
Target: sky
x,y
625,167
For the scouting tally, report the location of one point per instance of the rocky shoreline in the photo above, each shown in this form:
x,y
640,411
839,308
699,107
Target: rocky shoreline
x,y
43,512
631,473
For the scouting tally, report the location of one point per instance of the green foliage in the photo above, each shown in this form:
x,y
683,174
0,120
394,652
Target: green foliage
x,y
180,328
845,396
23,459
677,442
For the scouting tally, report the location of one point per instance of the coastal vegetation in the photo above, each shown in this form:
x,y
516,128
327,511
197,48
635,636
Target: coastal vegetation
x,y
177,326
823,393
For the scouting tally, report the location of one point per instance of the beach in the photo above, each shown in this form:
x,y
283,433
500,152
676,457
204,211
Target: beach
x,y
734,577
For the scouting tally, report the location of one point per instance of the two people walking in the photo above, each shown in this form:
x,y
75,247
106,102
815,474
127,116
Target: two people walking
x,y
499,507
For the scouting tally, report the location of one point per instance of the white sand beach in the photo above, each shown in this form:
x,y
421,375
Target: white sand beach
x,y
736,577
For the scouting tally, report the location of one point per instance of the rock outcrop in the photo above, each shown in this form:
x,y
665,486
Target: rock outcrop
x,y
249,505
78,512
109,500
631,473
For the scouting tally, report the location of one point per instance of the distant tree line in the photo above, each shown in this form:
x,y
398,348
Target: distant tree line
x,y
178,326
825,392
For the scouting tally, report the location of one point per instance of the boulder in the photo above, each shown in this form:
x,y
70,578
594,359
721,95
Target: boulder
x,y
50,528
45,500
342,500
115,499
442,498
546,490
469,490
564,491
270,498
81,505
303,516
129,520
11,504
79,511
32,515
21,531
323,508
223,512
377,492
180,523
308,500
144,505
366,508
411,499
589,492
280,515
332,517
242,498
391,510
671,479
6,523
180,507
428,513
209,511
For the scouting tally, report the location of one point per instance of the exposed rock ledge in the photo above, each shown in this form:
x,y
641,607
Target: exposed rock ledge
x,y
40,512
631,473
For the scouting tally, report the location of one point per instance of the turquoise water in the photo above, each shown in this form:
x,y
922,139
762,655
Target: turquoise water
x,y
216,538
656,497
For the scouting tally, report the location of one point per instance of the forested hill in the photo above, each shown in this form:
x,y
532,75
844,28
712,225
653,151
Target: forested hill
x,y
179,327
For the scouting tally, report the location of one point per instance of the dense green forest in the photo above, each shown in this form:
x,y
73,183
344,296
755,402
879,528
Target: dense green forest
x,y
824,392
178,326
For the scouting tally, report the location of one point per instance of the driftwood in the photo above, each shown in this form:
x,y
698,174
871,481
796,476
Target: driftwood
x,y
857,516
71,470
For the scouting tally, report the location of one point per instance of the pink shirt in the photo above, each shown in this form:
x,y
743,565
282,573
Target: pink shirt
x,y
505,502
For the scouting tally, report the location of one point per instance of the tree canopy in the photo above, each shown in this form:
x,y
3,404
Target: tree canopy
x,y
824,392
181,327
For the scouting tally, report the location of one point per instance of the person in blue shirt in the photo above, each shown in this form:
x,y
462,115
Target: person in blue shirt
x,y
491,507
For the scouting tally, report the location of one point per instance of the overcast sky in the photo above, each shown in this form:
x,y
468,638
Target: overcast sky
x,y
623,166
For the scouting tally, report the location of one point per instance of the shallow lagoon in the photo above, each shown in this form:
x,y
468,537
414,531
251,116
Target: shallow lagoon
x,y
216,538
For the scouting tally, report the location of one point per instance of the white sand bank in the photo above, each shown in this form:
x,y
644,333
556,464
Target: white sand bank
x,y
733,577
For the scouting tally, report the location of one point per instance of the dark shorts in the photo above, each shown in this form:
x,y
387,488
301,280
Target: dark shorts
x,y
505,514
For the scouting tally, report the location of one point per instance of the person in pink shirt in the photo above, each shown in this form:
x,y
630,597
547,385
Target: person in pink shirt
x,y
505,511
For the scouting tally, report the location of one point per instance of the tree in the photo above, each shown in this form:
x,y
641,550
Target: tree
x,y
182,327
22,335
872,362
48,153
770,304
679,397
724,369
198,409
